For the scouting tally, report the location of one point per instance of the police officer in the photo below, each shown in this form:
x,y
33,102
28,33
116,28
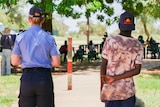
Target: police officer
x,y
37,52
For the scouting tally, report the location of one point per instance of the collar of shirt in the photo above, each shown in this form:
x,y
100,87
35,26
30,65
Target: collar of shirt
x,y
34,27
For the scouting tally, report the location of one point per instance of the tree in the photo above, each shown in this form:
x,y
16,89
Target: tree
x,y
67,8
47,5
151,9
140,8
12,15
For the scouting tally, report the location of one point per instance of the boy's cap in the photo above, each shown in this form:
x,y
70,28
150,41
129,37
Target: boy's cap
x,y
126,21
36,11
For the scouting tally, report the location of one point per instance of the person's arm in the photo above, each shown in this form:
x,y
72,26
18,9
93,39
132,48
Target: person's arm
x,y
55,61
133,72
103,72
15,60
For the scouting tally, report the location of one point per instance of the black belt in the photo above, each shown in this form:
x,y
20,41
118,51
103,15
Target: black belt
x,y
37,69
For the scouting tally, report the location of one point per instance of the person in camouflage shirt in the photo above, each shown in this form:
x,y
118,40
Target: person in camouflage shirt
x,y
122,56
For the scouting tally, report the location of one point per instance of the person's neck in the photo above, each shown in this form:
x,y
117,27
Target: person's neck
x,y
35,25
126,33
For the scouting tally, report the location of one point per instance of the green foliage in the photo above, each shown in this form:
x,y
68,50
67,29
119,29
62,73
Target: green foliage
x,y
153,9
90,6
7,3
93,6
102,8
12,14
134,6
47,5
109,11
65,8
14,19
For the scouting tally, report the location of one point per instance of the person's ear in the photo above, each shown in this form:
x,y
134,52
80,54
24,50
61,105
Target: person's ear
x,y
29,20
42,20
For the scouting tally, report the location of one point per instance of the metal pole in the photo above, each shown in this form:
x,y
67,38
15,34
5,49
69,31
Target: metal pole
x,y
69,64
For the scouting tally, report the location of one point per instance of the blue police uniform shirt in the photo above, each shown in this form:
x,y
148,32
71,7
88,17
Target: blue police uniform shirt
x,y
36,47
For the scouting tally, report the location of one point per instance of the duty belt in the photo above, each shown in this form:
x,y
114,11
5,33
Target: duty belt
x,y
36,69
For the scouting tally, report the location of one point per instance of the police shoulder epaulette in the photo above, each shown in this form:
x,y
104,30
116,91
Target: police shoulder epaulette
x,y
22,31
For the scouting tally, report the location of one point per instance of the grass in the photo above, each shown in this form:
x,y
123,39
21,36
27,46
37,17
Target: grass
x,y
8,87
147,86
148,89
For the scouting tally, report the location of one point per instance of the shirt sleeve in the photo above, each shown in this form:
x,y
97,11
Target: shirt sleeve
x,y
16,48
139,58
105,50
54,50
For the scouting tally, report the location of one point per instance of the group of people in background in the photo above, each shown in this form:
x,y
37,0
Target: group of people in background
x,y
149,44
150,47
78,54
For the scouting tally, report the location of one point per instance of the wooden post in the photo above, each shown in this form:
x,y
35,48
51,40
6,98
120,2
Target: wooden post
x,y
69,64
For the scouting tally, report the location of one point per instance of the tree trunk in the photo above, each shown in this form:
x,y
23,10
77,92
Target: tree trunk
x,y
47,25
87,33
146,30
145,27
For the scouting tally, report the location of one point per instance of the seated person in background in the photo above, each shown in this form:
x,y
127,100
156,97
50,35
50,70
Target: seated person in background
x,y
79,54
140,38
92,52
153,47
91,46
63,50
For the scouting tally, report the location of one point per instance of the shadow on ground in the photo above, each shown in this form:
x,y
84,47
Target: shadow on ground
x,y
147,67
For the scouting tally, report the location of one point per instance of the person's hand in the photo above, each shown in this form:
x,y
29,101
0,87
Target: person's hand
x,y
102,100
109,79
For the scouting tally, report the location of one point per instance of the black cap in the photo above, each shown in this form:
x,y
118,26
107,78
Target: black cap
x,y
126,21
36,11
